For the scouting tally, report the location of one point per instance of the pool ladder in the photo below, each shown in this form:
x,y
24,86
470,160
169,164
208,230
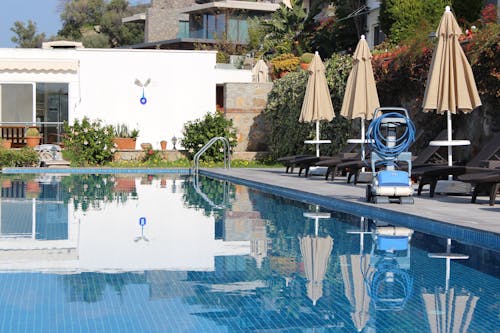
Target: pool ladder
x,y
227,165
227,155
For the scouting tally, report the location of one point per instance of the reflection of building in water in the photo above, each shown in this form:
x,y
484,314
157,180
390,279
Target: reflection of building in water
x,y
51,235
243,223
35,229
169,284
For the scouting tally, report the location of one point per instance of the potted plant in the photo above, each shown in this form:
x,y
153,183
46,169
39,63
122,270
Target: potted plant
x,y
285,63
125,138
305,60
32,136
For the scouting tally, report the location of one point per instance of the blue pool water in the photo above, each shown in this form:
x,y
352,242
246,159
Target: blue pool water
x,y
153,253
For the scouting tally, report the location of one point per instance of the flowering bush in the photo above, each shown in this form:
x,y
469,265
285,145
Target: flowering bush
x,y
89,142
285,63
197,133
152,156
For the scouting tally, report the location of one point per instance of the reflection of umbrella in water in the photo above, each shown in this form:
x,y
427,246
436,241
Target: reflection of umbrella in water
x,y
360,97
317,103
449,311
260,72
450,83
315,253
354,268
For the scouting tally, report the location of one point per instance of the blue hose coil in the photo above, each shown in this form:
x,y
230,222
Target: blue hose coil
x,y
379,142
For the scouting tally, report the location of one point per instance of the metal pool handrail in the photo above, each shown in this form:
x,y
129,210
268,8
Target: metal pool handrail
x,y
227,155
227,165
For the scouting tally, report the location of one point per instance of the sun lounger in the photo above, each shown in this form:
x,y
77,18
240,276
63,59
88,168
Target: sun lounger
x,y
430,175
289,161
488,182
304,161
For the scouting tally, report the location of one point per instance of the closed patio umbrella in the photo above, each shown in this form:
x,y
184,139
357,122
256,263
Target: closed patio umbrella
x,y
260,72
450,83
360,97
317,103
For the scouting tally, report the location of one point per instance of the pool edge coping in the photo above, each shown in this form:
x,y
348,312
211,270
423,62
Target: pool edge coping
x,y
480,238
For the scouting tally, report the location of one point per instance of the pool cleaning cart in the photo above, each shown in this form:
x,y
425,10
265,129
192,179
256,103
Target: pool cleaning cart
x,y
389,136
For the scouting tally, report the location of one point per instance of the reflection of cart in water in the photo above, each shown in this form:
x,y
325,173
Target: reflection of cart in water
x,y
389,283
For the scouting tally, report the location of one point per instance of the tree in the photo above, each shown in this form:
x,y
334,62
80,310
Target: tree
x,y
80,14
26,36
98,23
120,34
467,11
402,19
282,30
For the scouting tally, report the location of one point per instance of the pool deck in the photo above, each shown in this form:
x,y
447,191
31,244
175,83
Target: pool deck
x,y
450,209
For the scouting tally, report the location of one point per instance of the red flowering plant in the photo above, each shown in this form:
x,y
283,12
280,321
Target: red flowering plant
x,y
152,156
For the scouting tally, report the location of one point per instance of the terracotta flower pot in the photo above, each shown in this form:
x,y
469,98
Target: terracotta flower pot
x,y
163,145
32,141
124,143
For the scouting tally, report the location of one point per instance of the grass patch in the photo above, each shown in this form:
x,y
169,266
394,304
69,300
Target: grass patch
x,y
185,163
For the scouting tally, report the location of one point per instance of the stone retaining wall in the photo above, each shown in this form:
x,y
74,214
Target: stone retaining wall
x,y
244,103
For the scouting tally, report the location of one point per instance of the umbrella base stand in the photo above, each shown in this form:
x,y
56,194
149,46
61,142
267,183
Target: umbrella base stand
x,y
452,187
365,177
317,171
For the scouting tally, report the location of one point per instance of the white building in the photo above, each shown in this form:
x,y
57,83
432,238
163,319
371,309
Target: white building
x,y
156,91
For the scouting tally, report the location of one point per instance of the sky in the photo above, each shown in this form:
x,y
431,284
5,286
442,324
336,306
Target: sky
x,y
45,13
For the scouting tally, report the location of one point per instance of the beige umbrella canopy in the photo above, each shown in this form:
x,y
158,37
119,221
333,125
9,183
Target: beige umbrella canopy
x,y
450,82
317,103
356,291
315,253
360,97
260,72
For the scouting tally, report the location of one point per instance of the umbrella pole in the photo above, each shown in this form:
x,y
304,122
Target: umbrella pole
x,y
363,138
317,138
450,130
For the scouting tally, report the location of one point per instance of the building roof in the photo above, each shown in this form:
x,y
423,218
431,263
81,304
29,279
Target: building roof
x,y
228,4
177,44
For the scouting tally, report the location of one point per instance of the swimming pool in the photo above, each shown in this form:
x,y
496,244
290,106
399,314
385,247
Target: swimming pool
x,y
153,253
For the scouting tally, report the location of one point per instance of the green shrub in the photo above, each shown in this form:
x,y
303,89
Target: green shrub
x,y
89,142
25,157
306,58
198,132
283,108
32,131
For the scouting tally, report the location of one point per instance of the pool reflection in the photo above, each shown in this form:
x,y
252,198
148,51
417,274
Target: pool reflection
x,y
263,263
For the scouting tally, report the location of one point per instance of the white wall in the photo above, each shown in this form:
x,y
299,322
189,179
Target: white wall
x,y
182,86
232,75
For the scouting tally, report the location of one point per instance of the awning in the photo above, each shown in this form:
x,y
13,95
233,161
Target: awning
x,y
38,65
